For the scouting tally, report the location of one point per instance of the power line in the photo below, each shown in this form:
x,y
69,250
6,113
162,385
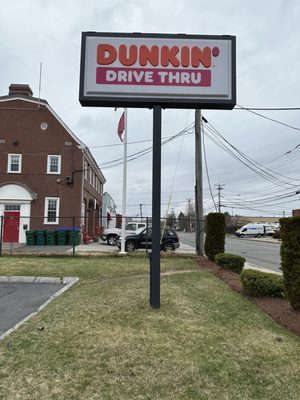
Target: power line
x,y
135,142
237,107
134,156
268,118
207,175
296,147
265,173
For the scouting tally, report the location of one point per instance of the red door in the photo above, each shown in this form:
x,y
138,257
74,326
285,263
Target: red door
x,y
11,226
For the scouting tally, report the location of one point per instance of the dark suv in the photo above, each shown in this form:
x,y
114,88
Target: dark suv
x,y
142,239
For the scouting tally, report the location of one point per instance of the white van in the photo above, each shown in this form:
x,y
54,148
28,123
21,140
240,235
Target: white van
x,y
255,230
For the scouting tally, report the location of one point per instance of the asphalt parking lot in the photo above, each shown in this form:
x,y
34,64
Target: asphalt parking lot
x,y
20,299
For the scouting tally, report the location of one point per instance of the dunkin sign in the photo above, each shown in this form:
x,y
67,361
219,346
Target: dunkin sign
x,y
177,71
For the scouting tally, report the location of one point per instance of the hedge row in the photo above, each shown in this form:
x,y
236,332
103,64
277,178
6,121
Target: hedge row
x,y
258,283
229,261
290,259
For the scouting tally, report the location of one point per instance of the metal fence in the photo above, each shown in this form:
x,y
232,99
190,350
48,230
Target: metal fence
x,y
68,235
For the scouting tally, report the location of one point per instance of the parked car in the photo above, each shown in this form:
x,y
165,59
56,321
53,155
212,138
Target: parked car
x,y
110,235
142,239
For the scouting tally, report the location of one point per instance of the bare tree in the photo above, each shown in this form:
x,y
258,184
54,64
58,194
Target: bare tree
x,y
191,215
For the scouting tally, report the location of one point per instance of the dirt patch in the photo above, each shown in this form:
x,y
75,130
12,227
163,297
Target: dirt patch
x,y
279,310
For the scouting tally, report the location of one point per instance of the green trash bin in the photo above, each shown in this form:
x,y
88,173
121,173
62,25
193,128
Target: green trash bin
x,y
30,238
74,237
51,238
40,238
61,235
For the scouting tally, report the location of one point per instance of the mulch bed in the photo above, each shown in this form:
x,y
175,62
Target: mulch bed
x,y
279,310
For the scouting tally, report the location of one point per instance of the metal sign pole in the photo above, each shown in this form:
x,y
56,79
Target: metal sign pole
x,y
156,193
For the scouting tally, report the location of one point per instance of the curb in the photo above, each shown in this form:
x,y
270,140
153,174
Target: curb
x,y
30,279
258,268
262,240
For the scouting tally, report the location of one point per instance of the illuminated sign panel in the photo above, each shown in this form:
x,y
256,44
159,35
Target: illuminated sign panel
x,y
142,70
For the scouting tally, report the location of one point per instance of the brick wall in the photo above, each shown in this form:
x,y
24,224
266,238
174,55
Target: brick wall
x,y
21,133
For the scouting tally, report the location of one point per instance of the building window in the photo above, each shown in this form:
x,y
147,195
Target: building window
x,y
86,170
53,164
12,207
14,163
90,171
51,210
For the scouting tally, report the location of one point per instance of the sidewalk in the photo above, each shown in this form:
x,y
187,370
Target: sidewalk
x,y
102,247
266,239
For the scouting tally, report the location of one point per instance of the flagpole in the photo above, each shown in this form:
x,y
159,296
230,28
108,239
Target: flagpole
x,y
124,185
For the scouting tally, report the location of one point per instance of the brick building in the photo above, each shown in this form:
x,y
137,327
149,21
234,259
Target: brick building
x,y
48,177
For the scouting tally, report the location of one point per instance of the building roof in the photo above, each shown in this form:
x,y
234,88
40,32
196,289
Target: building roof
x,y
24,93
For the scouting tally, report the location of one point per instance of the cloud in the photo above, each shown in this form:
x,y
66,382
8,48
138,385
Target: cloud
x,y
267,76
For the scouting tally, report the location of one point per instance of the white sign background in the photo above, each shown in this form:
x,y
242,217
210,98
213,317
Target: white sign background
x,y
221,71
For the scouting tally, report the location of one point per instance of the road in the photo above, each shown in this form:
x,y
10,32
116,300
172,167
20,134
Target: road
x,y
255,251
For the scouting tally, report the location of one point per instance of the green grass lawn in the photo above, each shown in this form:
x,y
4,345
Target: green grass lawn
x,y
102,341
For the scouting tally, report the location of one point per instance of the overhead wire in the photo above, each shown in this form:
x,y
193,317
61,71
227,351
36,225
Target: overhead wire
x,y
175,172
134,156
206,169
238,107
268,174
253,162
268,118
219,143
265,173
267,200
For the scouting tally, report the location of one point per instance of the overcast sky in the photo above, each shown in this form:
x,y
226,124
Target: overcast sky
x,y
268,76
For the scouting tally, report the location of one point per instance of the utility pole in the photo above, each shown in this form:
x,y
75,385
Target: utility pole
x,y
189,214
141,212
199,187
219,188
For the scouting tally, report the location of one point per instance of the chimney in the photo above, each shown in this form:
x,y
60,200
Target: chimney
x,y
16,88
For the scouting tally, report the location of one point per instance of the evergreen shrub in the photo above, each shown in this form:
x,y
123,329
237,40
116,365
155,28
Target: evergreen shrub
x,y
215,235
229,261
290,259
258,283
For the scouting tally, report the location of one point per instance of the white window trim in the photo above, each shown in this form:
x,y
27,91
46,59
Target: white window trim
x,y
59,164
9,163
86,170
82,213
56,222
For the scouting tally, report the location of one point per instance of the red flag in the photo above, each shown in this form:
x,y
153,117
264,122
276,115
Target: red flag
x,y
121,126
